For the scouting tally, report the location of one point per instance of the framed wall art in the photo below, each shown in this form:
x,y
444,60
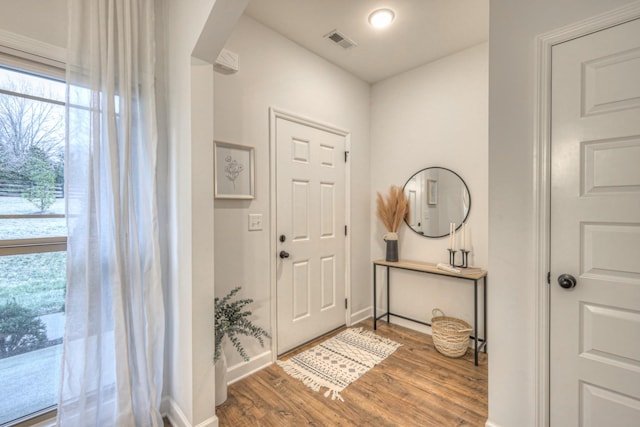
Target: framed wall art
x,y
234,171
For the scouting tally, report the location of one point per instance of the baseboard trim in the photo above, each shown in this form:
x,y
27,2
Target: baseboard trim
x,y
169,408
411,325
244,369
366,314
489,423
209,422
361,315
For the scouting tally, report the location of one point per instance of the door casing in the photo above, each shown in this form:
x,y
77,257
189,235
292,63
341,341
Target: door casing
x,y
542,184
274,114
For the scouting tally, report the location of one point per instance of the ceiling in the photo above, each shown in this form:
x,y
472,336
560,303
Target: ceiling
x,y
423,30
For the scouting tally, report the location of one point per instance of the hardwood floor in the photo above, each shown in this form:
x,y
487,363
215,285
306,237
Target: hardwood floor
x,y
415,386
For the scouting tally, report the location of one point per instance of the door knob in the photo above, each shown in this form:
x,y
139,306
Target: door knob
x,y
567,281
284,254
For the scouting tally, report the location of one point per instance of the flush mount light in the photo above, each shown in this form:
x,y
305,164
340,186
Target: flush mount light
x,y
381,18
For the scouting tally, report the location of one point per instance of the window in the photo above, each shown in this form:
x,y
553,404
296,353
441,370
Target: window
x,y
32,237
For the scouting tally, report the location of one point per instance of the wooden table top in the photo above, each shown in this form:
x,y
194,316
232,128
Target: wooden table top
x,y
428,267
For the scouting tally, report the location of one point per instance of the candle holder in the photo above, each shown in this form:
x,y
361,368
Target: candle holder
x,y
465,258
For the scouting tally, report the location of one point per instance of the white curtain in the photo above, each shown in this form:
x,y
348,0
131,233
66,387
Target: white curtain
x,y
114,338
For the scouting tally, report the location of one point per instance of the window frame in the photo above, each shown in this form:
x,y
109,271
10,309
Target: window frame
x,y
31,245
21,60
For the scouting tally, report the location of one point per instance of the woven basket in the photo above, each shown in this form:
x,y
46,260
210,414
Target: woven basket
x,y
450,335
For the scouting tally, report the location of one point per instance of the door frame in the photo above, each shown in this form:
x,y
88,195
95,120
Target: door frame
x,y
278,113
542,185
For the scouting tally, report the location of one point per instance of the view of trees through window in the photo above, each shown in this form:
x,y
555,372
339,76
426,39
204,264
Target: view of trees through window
x,y
32,241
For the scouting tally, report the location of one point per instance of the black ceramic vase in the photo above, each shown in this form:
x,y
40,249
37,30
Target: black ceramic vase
x,y
392,250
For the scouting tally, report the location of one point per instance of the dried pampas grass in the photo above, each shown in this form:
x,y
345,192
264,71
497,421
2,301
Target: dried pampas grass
x,y
394,209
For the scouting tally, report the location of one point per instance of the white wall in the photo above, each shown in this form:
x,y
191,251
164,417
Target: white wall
x,y
434,115
37,19
277,72
512,292
189,224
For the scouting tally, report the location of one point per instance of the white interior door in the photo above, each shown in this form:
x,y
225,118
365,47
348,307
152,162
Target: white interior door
x,y
595,229
311,221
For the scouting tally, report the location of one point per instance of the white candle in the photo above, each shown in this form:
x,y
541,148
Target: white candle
x,y
463,237
453,236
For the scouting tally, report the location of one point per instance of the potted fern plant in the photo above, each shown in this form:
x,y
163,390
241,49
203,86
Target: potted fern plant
x,y
232,320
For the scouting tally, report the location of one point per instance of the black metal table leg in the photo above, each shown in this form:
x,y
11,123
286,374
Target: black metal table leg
x,y
388,297
484,300
374,299
475,319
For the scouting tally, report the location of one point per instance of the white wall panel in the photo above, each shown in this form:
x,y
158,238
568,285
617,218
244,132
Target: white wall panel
x,y
434,115
40,20
275,72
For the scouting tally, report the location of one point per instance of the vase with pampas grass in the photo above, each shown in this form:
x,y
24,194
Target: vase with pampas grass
x,y
392,210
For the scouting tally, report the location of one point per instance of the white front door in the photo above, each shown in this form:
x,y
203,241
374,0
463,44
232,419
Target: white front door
x,y
595,230
310,228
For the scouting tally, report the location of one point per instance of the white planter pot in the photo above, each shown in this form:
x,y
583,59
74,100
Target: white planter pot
x,y
221,379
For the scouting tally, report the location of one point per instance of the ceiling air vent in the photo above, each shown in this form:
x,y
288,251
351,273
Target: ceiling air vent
x,y
340,39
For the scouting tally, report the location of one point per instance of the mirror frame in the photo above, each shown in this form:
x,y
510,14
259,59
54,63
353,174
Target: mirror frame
x,y
463,183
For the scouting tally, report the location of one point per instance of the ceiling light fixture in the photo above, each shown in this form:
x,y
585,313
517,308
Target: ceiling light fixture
x,y
381,18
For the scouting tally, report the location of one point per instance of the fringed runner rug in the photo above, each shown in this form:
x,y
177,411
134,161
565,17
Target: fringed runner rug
x,y
339,361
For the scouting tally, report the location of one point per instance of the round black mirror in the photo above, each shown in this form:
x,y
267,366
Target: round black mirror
x,y
437,197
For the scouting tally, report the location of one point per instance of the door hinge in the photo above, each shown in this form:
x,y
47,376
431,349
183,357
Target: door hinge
x,y
346,304
345,230
548,277
346,156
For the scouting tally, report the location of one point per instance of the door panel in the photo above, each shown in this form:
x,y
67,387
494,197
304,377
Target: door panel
x,y
611,82
598,403
311,215
328,282
301,286
595,229
300,210
609,166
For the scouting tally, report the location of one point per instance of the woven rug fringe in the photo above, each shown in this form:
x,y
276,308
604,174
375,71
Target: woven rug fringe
x,y
314,384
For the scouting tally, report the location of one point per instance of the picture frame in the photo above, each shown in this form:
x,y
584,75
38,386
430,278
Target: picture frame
x,y
234,171
432,192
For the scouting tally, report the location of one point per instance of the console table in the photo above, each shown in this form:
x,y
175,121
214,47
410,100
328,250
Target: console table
x,y
428,268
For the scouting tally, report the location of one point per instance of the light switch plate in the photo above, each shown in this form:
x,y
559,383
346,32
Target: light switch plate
x,y
255,222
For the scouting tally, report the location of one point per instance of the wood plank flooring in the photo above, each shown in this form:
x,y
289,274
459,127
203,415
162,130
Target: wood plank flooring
x,y
415,386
